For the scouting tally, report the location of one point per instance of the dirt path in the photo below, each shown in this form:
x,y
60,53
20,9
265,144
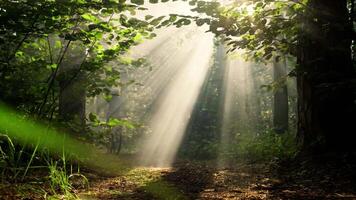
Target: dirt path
x,y
201,181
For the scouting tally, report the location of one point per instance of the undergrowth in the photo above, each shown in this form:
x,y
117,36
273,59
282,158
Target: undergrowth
x,y
264,147
18,164
59,182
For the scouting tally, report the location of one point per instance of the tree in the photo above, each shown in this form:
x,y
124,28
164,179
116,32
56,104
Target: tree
x,y
326,77
319,33
39,38
280,97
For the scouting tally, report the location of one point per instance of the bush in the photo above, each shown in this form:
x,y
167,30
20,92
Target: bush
x,y
264,147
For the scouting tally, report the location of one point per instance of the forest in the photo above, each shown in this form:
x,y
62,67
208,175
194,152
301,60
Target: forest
x,y
178,99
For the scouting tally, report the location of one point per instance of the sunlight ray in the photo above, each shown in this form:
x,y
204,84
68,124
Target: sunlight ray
x,y
241,106
169,120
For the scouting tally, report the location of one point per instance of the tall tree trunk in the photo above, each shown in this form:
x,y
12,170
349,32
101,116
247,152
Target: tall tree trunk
x,y
280,97
116,132
72,91
326,100
72,100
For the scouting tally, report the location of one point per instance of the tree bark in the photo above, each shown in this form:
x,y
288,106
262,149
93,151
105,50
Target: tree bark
x,y
280,97
325,78
72,100
72,91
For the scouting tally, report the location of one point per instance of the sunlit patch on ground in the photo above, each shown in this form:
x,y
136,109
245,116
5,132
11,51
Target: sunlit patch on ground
x,y
139,183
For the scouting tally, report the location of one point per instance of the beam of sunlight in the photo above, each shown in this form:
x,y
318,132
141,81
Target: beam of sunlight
x,y
241,105
175,104
168,91
166,55
168,60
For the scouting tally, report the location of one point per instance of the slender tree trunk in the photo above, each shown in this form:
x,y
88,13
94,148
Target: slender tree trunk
x,y
72,91
326,100
72,100
116,132
280,97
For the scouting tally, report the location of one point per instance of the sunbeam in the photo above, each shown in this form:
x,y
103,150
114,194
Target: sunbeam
x,y
175,104
241,104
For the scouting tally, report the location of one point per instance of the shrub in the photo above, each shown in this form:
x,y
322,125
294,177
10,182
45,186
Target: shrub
x,y
264,147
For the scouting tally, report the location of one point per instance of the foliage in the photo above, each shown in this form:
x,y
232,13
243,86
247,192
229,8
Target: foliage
x,y
204,149
108,133
45,43
263,28
112,122
46,46
264,147
27,131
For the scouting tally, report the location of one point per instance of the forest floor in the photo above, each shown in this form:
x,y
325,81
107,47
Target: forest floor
x,y
201,180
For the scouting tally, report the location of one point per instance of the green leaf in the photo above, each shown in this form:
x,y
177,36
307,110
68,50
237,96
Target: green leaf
x,y
148,17
138,2
117,122
108,97
89,17
19,54
156,21
52,66
93,117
